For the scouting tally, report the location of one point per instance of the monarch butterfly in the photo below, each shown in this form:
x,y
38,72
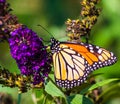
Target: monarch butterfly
x,y
74,61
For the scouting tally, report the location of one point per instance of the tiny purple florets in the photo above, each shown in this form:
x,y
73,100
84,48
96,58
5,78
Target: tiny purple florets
x,y
30,54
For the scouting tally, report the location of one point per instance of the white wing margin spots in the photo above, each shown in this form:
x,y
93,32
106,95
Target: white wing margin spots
x,y
105,57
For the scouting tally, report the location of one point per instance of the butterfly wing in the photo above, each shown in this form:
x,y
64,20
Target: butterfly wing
x,y
73,62
96,56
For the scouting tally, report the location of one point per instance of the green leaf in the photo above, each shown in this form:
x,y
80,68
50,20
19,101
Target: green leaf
x,y
110,93
99,84
78,99
41,97
51,89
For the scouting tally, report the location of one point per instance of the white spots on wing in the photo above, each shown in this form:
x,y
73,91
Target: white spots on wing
x,y
100,51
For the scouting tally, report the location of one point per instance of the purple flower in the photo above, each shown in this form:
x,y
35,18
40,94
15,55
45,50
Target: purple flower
x,y
30,54
8,22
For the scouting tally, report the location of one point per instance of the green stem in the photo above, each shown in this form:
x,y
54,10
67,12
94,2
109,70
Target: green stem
x,y
19,98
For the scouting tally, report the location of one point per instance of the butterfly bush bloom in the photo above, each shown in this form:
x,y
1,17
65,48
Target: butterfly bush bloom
x,y
30,54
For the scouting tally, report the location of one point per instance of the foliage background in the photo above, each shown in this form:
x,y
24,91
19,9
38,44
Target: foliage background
x,y
52,15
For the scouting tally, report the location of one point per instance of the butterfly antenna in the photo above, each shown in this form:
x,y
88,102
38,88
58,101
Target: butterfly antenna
x,y
45,29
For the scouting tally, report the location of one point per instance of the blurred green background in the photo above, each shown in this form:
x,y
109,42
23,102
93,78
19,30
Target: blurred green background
x,y
52,15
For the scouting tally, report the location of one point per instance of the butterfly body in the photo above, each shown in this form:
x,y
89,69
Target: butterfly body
x,y
74,61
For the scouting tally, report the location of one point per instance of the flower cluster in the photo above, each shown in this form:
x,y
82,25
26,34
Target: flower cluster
x,y
14,80
30,54
89,14
89,8
8,22
73,29
26,48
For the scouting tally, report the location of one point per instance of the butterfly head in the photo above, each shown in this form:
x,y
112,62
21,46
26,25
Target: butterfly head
x,y
54,45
